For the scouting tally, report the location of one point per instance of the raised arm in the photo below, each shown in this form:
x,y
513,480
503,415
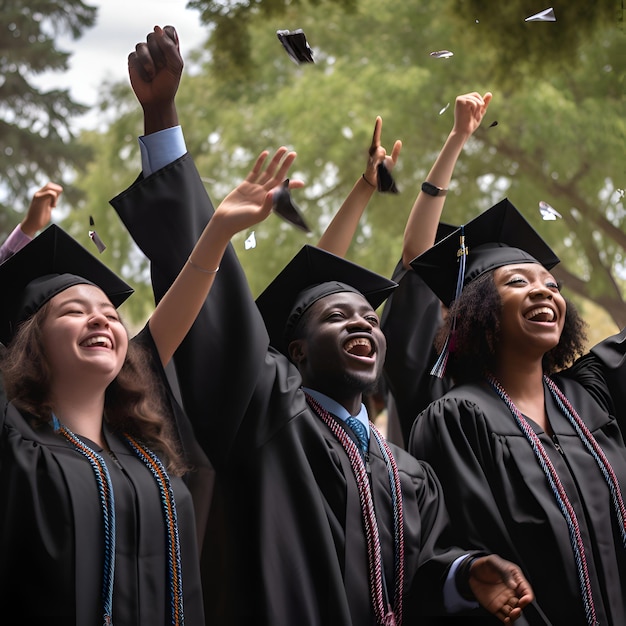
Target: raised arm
x,y
37,217
339,233
248,204
421,227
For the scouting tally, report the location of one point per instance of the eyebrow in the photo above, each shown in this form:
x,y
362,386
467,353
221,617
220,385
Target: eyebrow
x,y
84,302
526,269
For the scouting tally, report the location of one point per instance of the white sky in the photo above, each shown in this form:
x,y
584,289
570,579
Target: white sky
x,y
102,51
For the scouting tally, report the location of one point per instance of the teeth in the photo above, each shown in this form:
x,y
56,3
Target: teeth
x,y
98,340
359,346
545,311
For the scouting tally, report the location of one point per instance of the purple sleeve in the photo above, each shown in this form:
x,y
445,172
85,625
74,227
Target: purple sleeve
x,y
14,242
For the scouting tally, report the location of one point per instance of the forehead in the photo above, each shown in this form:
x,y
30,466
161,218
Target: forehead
x,y
83,293
343,300
526,269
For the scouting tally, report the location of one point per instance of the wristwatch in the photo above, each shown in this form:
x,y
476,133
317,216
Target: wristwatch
x,y
433,190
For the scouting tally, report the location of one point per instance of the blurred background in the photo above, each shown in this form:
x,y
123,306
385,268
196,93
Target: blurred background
x,y
68,115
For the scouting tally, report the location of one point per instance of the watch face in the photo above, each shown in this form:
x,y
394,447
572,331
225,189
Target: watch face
x,y
430,189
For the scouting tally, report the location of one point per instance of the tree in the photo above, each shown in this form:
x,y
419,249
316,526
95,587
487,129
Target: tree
x,y
37,143
560,135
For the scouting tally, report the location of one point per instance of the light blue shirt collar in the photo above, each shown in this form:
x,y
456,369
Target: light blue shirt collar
x,y
332,406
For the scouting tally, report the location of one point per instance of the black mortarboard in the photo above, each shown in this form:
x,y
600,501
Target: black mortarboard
x,y
443,230
499,236
296,45
313,274
44,268
285,207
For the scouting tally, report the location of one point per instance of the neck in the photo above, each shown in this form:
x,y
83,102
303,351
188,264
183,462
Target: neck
x,y
523,382
81,411
352,404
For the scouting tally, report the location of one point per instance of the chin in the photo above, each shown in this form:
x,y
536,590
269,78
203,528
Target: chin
x,y
361,384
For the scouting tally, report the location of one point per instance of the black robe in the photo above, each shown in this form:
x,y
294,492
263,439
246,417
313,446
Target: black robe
x,y
500,500
285,544
410,320
52,536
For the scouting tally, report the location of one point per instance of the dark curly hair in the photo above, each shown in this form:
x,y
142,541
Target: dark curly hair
x,y
134,401
473,342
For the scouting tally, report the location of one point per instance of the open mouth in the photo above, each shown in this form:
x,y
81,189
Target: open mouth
x,y
541,314
359,346
99,341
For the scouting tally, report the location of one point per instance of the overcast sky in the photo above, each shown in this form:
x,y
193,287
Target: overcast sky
x,y
102,51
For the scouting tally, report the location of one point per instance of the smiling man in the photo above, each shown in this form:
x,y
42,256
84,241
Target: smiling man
x,y
306,526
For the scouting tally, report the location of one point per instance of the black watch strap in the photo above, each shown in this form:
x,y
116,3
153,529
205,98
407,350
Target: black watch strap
x,y
433,190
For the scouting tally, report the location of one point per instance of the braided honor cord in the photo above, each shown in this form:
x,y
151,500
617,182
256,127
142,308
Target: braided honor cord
x,y
596,452
107,502
171,521
385,616
560,494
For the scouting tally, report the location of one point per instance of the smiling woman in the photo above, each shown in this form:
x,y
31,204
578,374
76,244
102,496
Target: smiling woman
x,y
92,496
529,453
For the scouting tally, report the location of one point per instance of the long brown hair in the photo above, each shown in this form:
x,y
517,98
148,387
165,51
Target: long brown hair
x,y
134,401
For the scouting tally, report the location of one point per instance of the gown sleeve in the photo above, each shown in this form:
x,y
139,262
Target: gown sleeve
x,y
410,321
227,346
611,354
200,477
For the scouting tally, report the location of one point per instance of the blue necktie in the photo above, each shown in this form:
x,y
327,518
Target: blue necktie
x,y
361,432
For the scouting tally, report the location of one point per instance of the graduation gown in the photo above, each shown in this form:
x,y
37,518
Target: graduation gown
x,y
52,532
285,543
500,500
410,320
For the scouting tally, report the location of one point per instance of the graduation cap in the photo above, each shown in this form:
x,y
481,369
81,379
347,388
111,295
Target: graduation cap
x,y
499,236
443,230
285,207
296,45
311,275
44,268
386,183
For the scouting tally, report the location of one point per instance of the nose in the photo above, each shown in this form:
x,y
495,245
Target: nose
x,y
98,319
539,290
359,322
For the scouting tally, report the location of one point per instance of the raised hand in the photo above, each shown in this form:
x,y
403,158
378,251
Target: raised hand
x,y
378,154
469,110
39,212
155,69
251,201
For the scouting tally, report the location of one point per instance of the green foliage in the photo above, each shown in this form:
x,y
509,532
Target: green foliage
x,y
530,50
35,125
560,135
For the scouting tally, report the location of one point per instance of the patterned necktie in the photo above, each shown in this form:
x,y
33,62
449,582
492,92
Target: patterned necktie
x,y
361,432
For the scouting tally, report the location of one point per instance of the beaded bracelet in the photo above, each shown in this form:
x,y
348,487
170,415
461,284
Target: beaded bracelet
x,y
201,269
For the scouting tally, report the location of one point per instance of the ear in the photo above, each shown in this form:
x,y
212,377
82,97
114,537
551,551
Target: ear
x,y
297,351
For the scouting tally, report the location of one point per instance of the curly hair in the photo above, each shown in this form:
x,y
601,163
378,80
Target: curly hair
x,y
134,401
476,315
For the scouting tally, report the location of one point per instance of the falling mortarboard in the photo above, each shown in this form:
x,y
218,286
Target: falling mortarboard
x,y
296,45
386,182
285,207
